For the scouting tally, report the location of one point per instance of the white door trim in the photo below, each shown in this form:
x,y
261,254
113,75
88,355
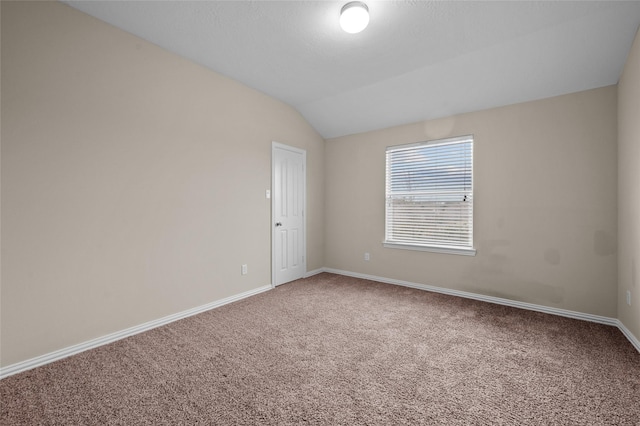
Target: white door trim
x,y
274,146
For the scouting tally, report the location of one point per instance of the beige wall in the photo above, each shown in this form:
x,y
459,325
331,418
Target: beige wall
x,y
629,191
133,188
133,181
545,204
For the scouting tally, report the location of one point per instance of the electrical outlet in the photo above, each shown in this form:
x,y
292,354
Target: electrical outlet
x,y
629,297
245,270
367,257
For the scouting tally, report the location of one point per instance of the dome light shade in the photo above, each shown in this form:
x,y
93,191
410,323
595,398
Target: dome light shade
x,y
354,17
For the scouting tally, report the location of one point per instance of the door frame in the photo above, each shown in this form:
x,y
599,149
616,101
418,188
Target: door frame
x,y
276,145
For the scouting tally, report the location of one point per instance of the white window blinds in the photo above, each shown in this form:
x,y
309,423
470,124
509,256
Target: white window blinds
x,y
429,195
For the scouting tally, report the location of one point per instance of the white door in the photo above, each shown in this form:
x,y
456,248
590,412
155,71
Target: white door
x,y
288,223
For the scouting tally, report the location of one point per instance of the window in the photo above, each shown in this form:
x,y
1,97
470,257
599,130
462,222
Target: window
x,y
429,196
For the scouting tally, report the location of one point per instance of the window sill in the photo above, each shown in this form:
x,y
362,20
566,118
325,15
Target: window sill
x,y
433,249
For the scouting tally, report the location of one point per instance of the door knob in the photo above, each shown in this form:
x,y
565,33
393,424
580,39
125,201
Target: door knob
x,y
278,223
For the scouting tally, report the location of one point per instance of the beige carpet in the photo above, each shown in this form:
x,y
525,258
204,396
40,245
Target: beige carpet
x,y
343,351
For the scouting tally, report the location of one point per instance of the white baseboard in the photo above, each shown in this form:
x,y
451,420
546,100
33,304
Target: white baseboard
x,y
94,343
500,301
314,272
629,335
109,338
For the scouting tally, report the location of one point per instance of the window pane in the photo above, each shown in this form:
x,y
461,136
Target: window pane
x,y
430,193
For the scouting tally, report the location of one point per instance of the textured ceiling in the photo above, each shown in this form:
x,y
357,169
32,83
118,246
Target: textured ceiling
x,y
416,60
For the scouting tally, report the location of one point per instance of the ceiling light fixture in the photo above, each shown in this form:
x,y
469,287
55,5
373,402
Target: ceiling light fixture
x,y
354,17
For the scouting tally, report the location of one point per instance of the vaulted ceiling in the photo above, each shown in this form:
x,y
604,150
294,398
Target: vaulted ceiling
x,y
416,60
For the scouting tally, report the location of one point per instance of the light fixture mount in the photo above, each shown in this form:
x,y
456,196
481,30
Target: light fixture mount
x,y
354,17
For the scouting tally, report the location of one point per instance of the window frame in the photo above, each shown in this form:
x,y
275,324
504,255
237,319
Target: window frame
x,y
467,250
